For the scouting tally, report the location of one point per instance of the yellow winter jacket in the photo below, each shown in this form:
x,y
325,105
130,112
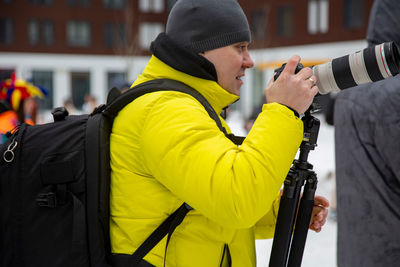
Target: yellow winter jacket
x,y
166,150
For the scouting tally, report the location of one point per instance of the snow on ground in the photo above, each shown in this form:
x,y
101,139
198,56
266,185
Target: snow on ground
x,y
320,248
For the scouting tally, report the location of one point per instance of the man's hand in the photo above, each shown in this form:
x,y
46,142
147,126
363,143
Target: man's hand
x,y
293,90
319,213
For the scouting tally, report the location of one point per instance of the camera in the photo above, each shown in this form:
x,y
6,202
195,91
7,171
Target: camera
x,y
369,65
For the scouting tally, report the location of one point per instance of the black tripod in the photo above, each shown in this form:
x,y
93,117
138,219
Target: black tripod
x,y
285,244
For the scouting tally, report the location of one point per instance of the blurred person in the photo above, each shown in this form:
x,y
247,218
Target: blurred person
x,y
17,104
30,110
166,150
89,103
125,87
367,128
8,120
329,108
253,116
70,107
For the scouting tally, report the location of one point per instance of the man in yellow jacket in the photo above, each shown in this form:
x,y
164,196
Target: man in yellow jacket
x,y
166,150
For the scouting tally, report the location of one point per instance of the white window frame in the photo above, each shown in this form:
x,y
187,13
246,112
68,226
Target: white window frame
x,y
79,33
318,16
33,31
148,31
151,6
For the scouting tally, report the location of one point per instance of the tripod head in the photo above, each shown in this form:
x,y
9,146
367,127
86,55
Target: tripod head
x,y
311,129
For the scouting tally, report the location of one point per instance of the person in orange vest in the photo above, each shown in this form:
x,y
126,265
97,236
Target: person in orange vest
x,y
8,120
17,104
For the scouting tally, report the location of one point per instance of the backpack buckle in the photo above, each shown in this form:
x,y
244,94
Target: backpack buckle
x,y
59,113
47,200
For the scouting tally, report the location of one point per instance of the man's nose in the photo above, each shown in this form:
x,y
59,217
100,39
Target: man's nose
x,y
247,61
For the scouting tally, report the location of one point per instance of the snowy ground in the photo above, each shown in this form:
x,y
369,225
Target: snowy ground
x,y
320,248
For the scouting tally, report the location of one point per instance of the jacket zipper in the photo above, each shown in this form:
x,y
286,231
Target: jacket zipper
x,y
226,257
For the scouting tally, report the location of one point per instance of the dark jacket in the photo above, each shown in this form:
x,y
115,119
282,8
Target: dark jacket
x,y
367,131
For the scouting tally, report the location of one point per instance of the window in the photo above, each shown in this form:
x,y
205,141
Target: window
x,y
286,21
108,34
41,2
156,6
116,79
148,32
33,32
114,4
48,32
5,74
81,3
114,34
43,34
6,31
80,82
78,33
353,14
318,16
44,79
258,85
258,24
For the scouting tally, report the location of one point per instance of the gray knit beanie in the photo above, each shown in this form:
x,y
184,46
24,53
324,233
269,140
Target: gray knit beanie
x,y
202,25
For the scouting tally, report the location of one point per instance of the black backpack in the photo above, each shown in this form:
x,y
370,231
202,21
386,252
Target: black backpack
x,y
54,188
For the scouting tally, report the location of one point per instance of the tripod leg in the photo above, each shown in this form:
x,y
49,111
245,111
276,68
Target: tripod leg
x,y
303,222
290,199
285,221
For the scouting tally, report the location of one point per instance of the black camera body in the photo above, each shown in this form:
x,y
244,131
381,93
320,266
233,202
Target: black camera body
x,y
279,70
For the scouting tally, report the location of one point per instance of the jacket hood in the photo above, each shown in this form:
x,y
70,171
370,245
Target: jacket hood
x,y
217,96
383,22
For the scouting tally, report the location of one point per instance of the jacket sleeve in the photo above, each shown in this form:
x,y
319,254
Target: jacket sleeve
x,y
233,186
265,227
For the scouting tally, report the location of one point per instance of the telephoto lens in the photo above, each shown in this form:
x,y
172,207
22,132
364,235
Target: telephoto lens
x,y
369,65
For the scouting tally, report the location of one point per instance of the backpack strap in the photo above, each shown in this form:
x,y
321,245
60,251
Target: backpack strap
x,y
167,227
118,101
237,140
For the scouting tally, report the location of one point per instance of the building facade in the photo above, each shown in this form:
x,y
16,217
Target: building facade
x,y
78,47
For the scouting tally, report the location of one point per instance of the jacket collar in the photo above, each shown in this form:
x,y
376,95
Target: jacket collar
x,y
218,97
184,60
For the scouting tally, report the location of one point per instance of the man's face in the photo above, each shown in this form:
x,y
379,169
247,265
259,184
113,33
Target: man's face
x,y
230,63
